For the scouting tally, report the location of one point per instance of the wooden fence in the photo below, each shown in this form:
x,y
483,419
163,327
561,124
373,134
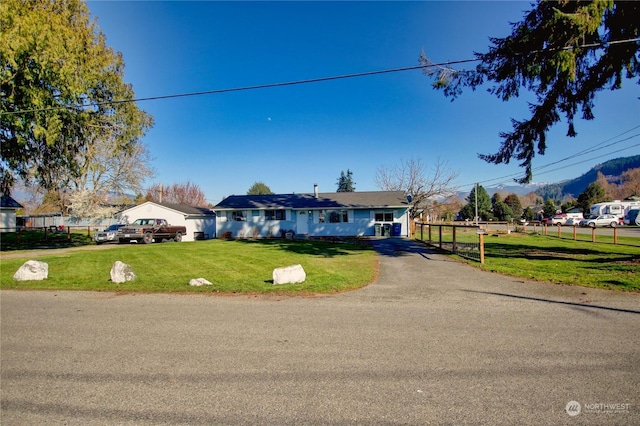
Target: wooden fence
x,y
463,240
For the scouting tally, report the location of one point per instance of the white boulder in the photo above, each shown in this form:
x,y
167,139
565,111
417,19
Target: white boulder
x,y
197,282
32,270
121,272
289,275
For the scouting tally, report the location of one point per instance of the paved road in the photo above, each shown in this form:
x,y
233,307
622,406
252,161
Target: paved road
x,y
432,341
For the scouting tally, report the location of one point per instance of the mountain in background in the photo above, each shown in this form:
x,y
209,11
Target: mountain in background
x,y
612,169
568,188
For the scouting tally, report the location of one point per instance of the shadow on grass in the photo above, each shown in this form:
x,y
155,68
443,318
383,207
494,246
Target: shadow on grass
x,y
312,247
523,251
35,240
559,302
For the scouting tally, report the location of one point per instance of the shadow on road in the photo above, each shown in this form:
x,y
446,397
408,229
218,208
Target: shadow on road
x,y
559,302
395,247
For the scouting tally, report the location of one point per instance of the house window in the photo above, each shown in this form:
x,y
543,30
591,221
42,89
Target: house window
x,y
238,215
333,216
274,215
338,216
384,216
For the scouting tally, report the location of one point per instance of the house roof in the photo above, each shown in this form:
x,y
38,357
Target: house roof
x,y
7,202
188,210
326,200
180,208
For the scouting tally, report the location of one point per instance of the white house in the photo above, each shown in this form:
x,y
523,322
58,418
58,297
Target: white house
x,y
199,221
8,207
335,214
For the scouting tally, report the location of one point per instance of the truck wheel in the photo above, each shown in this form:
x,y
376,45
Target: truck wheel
x,y
178,237
148,238
614,224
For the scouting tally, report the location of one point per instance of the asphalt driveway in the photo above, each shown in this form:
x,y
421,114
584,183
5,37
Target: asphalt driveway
x,y
432,341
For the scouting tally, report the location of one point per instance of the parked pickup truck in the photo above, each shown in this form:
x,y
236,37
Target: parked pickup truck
x,y
150,230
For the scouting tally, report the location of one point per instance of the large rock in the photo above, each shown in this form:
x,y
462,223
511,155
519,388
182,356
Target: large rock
x,y
289,275
32,270
121,272
197,282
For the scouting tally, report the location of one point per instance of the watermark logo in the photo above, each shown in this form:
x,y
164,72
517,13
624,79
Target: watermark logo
x,y
573,408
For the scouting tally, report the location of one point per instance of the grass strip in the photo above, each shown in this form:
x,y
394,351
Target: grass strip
x,y
239,266
565,261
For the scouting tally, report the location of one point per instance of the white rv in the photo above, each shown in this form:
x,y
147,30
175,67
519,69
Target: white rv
x,y
616,207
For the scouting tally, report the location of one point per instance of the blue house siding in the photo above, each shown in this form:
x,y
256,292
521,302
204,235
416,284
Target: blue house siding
x,y
319,215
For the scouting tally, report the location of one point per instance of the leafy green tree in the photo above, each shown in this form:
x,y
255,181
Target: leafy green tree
x,y
513,201
593,194
528,214
58,84
502,212
484,205
259,188
549,207
563,52
345,182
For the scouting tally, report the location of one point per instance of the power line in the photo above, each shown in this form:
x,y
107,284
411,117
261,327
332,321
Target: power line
x,y
297,82
244,88
592,149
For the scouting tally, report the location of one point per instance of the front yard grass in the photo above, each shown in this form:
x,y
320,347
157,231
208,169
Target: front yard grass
x,y
564,261
239,266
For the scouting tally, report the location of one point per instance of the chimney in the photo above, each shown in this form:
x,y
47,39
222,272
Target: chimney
x,y
315,190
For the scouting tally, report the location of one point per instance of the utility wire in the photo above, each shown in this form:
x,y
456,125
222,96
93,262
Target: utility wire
x,y
240,89
592,149
297,82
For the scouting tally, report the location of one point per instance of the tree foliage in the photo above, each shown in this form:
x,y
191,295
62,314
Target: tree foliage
x,y
513,201
58,84
563,52
259,188
549,207
345,182
592,195
483,202
188,194
412,177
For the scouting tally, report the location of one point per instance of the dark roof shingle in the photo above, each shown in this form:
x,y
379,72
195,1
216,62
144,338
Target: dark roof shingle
x,y
353,200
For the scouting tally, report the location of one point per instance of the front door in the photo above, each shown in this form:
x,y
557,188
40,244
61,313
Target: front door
x,y
302,222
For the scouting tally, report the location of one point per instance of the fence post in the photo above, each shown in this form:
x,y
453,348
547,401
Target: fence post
x,y
453,228
559,231
481,242
429,233
575,233
593,234
615,235
421,231
440,235
68,233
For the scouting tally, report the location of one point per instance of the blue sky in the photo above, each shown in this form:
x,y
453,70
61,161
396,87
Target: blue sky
x,y
294,136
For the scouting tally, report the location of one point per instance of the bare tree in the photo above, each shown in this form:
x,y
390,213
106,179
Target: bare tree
x,y
424,186
187,193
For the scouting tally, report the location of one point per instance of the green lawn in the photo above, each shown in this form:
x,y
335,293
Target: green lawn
x,y
245,266
240,266
564,261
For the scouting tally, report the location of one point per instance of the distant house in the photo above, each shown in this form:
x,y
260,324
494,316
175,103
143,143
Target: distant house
x,y
8,207
199,221
335,214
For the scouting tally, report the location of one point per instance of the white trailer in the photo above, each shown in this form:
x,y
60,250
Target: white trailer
x,y
616,207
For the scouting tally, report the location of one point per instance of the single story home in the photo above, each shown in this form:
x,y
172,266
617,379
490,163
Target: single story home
x,y
335,214
8,207
199,221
